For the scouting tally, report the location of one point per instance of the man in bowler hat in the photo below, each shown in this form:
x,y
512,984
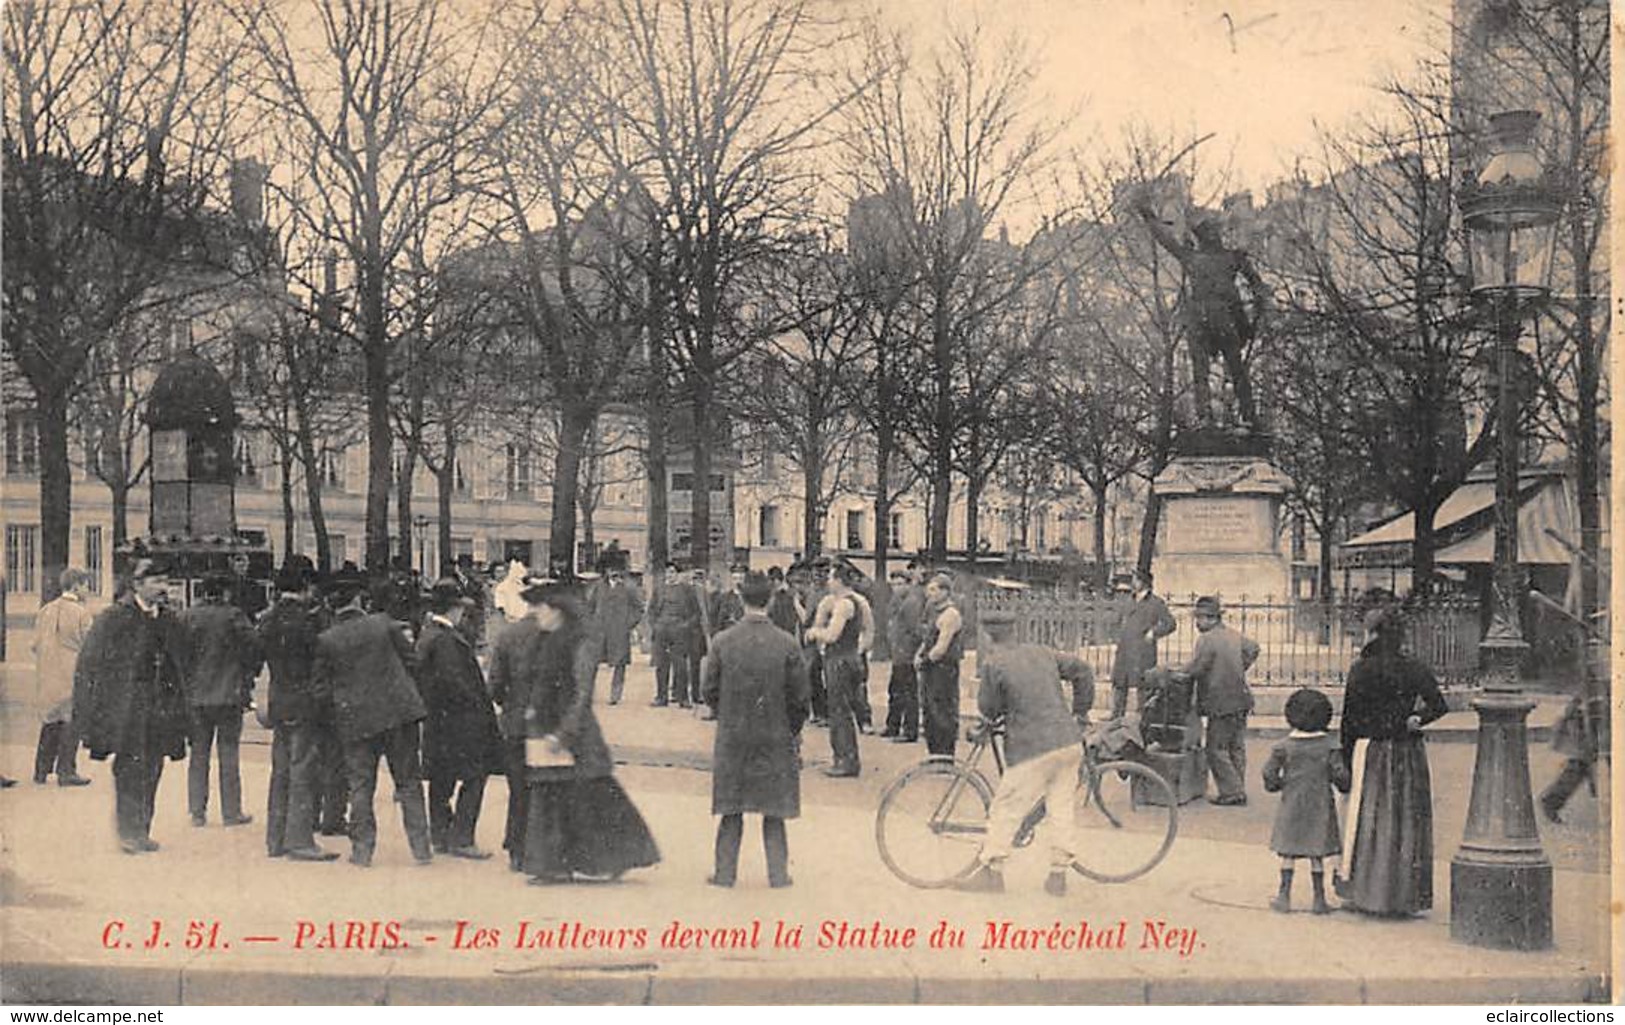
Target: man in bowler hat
x,y
1219,667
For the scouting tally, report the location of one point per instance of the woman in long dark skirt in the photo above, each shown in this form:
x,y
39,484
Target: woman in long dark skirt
x,y
1388,862
580,823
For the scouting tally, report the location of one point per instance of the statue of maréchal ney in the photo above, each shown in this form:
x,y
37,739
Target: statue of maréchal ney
x,y
1216,318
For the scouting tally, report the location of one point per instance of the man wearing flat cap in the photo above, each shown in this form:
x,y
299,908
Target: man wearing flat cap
x,y
364,661
301,722
1020,685
222,658
1219,668
128,701
460,741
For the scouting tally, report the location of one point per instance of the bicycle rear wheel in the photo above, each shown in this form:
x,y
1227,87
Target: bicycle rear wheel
x,y
931,822
1127,819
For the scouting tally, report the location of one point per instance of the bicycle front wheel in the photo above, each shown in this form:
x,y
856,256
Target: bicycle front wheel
x,y
931,822
1127,818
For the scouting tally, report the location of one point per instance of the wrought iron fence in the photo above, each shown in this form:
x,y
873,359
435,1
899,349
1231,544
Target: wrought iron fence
x,y
1302,643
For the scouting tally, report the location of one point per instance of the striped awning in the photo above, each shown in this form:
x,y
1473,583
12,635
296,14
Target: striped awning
x,y
1464,528
1547,509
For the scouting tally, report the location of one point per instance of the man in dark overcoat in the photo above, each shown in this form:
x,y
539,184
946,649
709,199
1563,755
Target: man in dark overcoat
x,y
1146,620
300,720
364,661
757,682
460,741
617,607
128,701
222,658
513,668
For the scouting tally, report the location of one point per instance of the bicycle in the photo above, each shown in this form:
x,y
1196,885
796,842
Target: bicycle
x,y
932,818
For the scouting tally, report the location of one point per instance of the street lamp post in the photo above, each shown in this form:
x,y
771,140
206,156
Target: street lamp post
x,y
1500,878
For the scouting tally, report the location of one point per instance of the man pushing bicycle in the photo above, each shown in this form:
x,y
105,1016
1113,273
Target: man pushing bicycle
x,y
1021,684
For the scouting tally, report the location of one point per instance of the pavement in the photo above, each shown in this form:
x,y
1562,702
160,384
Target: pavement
x,y
77,917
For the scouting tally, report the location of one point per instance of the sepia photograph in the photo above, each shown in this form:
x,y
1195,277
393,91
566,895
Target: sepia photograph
x,y
806,502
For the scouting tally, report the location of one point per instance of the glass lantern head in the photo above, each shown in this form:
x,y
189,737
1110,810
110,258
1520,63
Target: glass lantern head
x,y
1511,214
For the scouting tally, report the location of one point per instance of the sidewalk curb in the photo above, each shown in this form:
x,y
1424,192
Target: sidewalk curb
x,y
23,982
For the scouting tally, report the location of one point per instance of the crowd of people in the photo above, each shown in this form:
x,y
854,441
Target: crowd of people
x,y
447,691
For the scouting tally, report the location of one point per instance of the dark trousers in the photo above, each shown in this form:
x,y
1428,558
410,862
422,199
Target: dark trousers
x,y
207,725
860,696
671,667
939,704
731,831
617,682
398,747
290,806
841,679
815,682
57,749
1574,772
453,828
903,699
135,789
513,763
332,786
696,675
1227,753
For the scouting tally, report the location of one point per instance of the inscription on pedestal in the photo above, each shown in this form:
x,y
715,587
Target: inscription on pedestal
x,y
1219,524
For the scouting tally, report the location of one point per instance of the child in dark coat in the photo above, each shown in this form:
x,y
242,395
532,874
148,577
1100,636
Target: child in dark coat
x,y
1303,769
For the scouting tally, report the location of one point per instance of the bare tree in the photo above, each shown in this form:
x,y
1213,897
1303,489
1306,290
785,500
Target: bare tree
x,y
719,102
380,110
114,132
948,150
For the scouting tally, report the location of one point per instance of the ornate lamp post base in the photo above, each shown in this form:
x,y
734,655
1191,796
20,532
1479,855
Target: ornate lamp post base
x,y
1500,878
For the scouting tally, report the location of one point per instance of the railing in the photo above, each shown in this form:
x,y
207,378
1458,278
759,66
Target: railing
x,y
1302,643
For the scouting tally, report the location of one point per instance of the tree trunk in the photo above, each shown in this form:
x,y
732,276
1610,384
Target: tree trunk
x,y
1102,566
1148,531
942,428
574,423
445,483
405,549
119,492
883,447
380,438
973,516
55,490
313,495
285,458
658,421
812,520
700,496
1423,546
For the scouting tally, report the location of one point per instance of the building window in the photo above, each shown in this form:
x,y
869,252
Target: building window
x,y
1300,539
894,537
854,528
22,552
93,558
22,442
768,524
248,471
1040,534
459,478
332,468
335,545
518,473
685,482
461,546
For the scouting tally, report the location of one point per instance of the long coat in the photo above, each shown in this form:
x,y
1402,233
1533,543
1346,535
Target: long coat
x,y
618,609
1303,770
563,665
127,696
364,662
59,634
222,656
513,659
1135,654
288,639
757,682
460,738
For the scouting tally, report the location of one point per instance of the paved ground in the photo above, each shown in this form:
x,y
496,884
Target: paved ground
x,y
1195,930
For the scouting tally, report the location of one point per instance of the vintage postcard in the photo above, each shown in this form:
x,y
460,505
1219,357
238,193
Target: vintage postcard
x,y
807,502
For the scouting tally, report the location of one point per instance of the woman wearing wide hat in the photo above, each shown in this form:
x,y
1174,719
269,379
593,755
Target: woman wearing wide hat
x,y
579,823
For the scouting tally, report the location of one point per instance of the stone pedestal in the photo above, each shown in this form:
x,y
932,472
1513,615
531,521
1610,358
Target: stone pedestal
x,y
1220,529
